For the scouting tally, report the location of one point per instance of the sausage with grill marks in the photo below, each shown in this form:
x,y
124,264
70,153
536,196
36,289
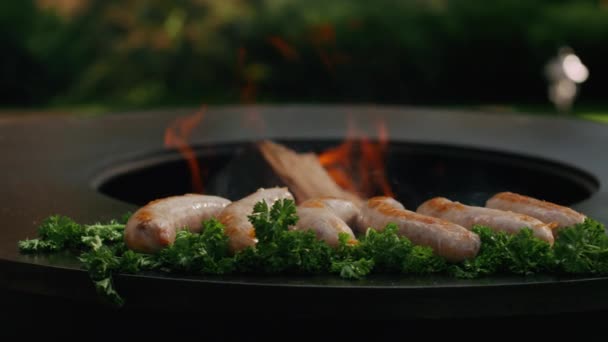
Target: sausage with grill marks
x,y
545,211
449,240
498,220
154,226
327,217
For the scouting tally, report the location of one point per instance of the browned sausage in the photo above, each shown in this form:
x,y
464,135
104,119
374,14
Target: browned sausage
x,y
545,211
447,239
346,210
498,220
324,216
154,226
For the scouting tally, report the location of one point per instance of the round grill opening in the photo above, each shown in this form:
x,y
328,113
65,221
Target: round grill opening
x,y
416,172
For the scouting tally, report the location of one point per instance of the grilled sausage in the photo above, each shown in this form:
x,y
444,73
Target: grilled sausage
x,y
498,220
235,219
361,225
154,226
545,211
345,209
326,218
447,239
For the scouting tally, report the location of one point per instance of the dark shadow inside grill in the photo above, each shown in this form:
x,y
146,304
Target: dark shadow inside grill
x,y
416,173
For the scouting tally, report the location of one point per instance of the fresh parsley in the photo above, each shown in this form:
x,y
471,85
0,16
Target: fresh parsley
x,y
581,249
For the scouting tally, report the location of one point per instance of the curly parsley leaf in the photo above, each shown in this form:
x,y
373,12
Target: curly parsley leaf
x,y
422,260
133,262
35,246
105,288
100,262
107,232
386,248
280,249
205,253
528,254
353,269
55,233
520,253
392,253
271,222
58,233
582,248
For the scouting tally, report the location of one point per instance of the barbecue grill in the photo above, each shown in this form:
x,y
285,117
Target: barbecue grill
x,y
95,169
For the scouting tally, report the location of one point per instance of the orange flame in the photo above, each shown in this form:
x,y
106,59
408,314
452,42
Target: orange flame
x,y
338,163
372,162
176,136
358,164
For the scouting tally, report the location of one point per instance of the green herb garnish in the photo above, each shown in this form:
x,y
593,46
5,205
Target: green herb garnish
x,y
581,249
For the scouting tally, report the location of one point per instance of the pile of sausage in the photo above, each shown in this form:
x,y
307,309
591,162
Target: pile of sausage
x,y
438,223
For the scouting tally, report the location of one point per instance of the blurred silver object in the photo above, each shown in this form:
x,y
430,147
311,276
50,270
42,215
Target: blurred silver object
x,y
565,72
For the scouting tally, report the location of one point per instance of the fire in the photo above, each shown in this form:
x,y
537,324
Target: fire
x,y
358,164
338,163
177,135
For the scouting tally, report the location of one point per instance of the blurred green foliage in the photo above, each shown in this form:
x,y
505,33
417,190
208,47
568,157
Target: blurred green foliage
x,y
154,52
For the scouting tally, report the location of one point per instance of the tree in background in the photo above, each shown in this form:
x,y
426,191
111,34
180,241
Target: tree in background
x,y
153,52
